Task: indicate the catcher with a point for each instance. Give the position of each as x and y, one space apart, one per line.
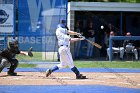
7 57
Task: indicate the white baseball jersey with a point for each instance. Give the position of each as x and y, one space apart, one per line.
64 48
63 38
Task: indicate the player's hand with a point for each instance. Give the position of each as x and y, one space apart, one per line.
82 38
78 34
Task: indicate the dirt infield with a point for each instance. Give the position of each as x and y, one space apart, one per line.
129 80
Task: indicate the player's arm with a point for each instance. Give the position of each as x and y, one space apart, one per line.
74 39
29 53
72 33
77 39
24 53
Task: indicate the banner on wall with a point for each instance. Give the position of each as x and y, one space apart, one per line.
37 22
6 18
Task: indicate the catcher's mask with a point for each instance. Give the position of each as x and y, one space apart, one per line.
13 44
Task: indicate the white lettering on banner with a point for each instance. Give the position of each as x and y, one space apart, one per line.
32 40
20 39
26 40
34 10
50 40
38 40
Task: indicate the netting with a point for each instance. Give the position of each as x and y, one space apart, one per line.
33 24
37 22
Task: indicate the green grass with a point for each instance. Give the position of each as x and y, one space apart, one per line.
81 64
37 57
27 65
92 64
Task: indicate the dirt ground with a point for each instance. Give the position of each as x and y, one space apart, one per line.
128 80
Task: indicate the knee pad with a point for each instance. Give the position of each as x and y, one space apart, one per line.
5 63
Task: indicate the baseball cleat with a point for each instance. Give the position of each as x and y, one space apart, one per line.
12 74
48 72
81 77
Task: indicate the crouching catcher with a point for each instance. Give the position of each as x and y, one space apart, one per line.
7 57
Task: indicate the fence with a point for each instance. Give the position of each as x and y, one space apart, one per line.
32 22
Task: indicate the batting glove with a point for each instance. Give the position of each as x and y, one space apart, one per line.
79 35
82 38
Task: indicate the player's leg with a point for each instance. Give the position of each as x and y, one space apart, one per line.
4 63
69 60
14 64
136 54
121 52
62 62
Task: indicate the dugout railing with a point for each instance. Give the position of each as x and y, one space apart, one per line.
120 38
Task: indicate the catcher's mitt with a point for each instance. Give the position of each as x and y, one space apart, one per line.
30 52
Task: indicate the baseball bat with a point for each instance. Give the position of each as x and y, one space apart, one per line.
94 44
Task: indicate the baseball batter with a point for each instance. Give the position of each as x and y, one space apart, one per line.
64 40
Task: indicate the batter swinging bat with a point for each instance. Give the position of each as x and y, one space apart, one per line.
94 44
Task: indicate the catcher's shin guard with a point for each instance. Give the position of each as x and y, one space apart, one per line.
12 68
4 63
1 68
48 72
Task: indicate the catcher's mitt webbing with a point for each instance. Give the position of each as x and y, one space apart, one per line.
30 52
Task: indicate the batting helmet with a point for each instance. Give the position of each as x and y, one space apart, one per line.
62 24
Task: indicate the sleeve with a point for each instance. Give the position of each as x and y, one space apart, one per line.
62 36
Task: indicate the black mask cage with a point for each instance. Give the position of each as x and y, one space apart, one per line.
13 44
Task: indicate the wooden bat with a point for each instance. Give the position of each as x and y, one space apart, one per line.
94 44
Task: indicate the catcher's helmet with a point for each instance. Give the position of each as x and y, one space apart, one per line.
13 43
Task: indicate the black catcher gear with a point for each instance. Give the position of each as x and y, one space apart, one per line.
30 52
